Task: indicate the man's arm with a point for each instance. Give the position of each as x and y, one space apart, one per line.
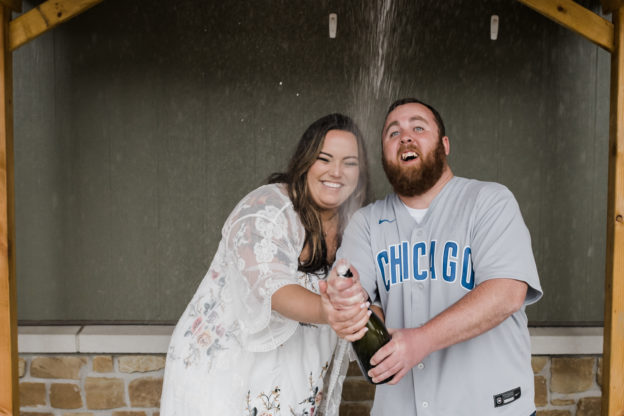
485 307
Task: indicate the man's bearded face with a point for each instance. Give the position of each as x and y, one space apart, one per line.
415 179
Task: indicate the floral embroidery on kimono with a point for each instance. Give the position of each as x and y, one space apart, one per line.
230 353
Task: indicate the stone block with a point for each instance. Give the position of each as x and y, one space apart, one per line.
140 363
57 367
571 375
103 364
541 391
589 406
145 392
32 394
599 372
538 363
562 402
104 393
21 367
129 413
355 409
554 413
65 396
78 414
356 390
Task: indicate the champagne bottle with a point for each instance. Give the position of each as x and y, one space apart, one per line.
376 337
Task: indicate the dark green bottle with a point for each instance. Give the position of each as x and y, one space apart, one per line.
376 337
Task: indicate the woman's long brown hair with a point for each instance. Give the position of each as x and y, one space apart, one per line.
295 178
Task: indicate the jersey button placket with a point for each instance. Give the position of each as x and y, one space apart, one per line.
421 390
417 287
418 291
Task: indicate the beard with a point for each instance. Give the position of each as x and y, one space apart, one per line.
416 180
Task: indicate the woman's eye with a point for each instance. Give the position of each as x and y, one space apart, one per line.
324 159
351 163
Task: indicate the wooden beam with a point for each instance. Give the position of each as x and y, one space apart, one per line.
15 5
576 18
44 17
609 6
613 349
9 391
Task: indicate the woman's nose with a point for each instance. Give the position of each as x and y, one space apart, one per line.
335 169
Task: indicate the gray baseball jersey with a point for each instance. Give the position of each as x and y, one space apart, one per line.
472 232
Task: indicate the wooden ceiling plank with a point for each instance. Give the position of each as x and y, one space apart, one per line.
44 17
576 18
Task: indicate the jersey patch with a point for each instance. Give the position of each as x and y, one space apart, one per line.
507 397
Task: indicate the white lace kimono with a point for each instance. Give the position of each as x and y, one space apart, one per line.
230 354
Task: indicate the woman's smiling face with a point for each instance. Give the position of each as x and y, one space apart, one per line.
333 177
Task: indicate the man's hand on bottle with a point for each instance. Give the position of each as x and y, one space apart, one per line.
407 349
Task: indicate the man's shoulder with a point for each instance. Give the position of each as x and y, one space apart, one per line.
478 188
477 184
378 207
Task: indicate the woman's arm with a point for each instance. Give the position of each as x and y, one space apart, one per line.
299 304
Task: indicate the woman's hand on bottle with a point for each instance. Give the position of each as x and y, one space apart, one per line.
345 292
348 322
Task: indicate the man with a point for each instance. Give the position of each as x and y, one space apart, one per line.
450 262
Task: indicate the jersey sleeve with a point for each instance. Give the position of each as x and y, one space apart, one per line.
357 250
263 242
501 243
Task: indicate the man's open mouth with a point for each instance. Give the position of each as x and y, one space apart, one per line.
407 156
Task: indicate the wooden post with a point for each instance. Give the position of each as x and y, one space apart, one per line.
15 5
613 350
9 395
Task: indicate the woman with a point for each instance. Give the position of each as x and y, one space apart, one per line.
254 340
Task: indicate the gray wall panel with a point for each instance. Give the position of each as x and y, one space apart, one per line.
139 125
40 240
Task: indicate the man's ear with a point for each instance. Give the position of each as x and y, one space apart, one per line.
447 145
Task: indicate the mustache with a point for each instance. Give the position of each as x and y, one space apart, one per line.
409 148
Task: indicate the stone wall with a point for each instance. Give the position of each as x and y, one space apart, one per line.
130 385
90 385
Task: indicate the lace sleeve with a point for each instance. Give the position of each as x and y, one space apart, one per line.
263 241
